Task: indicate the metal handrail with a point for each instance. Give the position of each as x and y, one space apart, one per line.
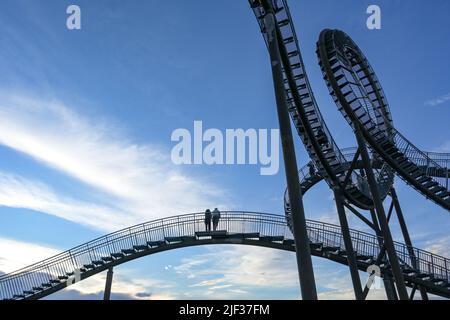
421 159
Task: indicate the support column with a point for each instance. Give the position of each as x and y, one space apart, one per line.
390 288
108 285
384 227
351 256
302 243
407 238
387 280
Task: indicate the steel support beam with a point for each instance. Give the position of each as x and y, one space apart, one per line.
108 284
352 167
388 281
406 237
390 288
351 256
384 226
360 216
388 284
303 251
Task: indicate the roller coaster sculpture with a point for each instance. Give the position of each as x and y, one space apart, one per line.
382 151
361 179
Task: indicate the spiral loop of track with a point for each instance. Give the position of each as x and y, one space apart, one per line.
359 96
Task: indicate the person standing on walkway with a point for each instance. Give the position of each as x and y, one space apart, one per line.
215 218
208 220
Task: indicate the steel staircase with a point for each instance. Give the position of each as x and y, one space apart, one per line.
259 229
321 146
359 96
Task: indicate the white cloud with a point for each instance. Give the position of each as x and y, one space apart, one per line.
16 254
18 192
440 246
437 101
135 179
127 286
241 266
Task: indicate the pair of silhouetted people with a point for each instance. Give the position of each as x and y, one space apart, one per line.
213 216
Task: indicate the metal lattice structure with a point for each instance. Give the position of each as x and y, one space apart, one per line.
361 179
247 228
305 112
310 175
358 95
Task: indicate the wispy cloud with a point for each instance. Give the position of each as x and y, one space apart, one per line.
439 246
17 254
437 101
241 267
18 192
138 179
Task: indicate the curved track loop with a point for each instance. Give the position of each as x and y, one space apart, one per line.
248 228
306 115
359 96
310 176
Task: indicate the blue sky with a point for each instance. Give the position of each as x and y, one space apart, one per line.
86 118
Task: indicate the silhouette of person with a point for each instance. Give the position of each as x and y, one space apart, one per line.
215 218
208 220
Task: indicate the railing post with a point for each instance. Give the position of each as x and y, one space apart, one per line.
446 269
446 178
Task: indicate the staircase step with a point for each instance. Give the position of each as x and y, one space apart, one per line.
423 179
316 245
54 281
63 277
430 184
272 238
38 288
140 248
283 23
89 266
128 251
155 243
107 259
98 262
28 292
117 255
330 248
443 194
437 189
173 239
250 235
363 257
